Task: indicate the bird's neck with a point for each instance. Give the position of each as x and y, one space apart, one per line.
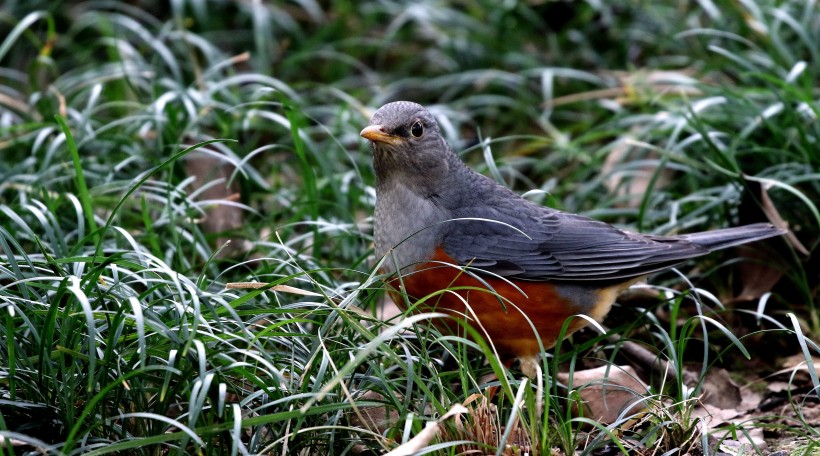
408 225
412 206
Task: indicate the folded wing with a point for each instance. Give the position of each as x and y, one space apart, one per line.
539 243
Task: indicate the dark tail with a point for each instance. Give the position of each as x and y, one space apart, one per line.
730 237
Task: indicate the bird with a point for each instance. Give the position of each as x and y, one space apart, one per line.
457 242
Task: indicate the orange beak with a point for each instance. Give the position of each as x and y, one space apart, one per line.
376 133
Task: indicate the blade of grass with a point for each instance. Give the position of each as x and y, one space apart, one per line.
79 178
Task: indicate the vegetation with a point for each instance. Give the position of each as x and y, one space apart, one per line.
152 152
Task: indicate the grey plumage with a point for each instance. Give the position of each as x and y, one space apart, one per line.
425 192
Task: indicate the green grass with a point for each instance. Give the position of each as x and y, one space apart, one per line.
119 335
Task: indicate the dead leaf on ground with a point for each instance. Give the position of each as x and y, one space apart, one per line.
377 419
740 443
797 360
209 170
608 392
757 274
773 215
722 423
717 388
730 413
757 278
796 369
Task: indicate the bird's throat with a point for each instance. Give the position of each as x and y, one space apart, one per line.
403 214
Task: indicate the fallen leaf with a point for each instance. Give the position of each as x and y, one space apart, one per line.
744 443
774 217
212 175
608 392
717 388
797 361
778 387
796 370
377 419
757 274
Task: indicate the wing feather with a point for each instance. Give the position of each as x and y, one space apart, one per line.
557 245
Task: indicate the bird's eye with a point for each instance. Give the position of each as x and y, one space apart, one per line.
417 129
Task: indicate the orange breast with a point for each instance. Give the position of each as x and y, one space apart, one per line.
510 315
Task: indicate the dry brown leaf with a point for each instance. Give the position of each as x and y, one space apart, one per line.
810 413
778 387
757 278
712 416
723 425
736 414
745 442
377 419
797 360
751 400
717 388
219 218
608 392
774 217
757 275
797 370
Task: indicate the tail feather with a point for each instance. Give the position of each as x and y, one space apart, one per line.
730 237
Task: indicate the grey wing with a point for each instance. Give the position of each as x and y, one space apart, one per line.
538 243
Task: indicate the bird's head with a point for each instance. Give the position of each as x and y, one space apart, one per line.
408 145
